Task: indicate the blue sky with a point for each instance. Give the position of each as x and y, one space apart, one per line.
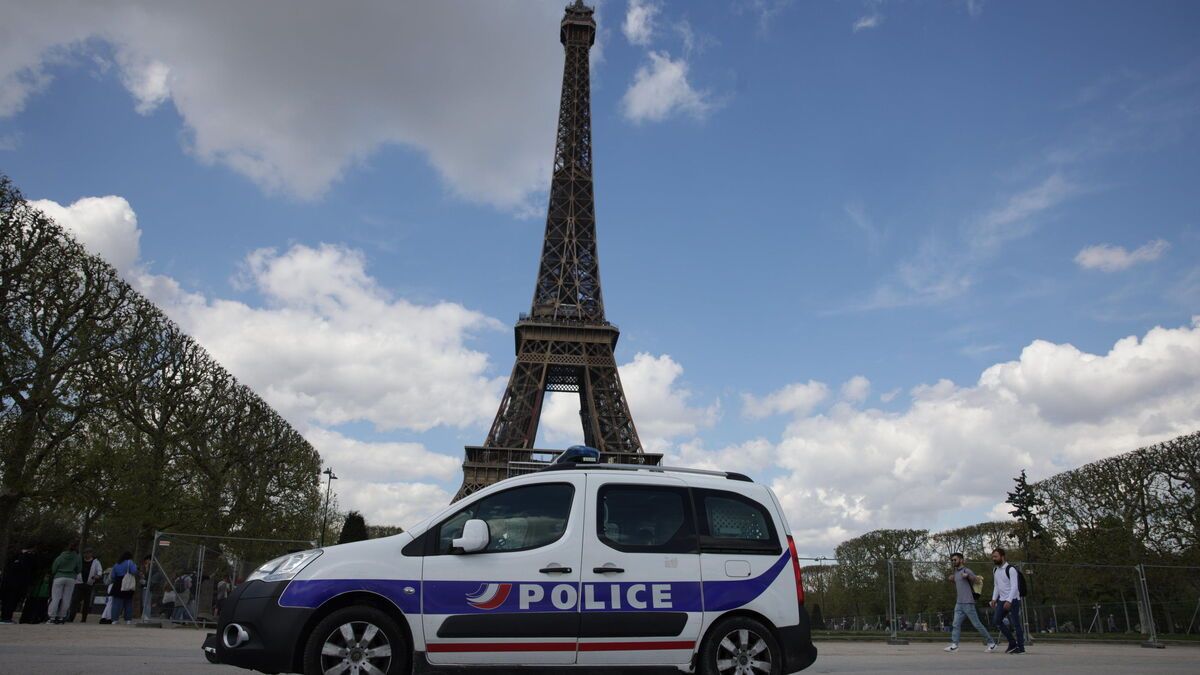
880 253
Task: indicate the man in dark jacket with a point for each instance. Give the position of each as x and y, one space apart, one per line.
18 572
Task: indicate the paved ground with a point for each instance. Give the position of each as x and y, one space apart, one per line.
125 650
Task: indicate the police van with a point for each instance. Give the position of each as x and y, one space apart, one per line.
580 564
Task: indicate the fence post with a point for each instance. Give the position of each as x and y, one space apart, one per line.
895 638
146 594
1148 622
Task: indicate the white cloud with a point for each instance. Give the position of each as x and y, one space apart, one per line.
403 504
799 398
381 461
331 347
106 226
661 89
1110 258
856 389
943 270
845 471
294 93
639 21
868 21
1014 218
661 406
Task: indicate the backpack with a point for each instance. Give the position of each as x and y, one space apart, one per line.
1021 587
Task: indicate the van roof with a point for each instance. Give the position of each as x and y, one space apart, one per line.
585 466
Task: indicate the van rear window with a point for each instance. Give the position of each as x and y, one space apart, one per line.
732 523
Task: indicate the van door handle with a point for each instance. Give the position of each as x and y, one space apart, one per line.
555 569
608 569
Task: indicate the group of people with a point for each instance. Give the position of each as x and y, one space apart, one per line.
1005 602
57 593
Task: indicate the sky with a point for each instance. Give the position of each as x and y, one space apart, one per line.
880 255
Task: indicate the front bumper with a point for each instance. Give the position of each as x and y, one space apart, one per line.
799 652
274 632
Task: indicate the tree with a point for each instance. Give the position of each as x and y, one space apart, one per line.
62 313
1027 509
354 529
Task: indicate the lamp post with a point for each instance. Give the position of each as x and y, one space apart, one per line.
325 515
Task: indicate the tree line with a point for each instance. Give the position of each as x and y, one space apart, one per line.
1084 537
114 423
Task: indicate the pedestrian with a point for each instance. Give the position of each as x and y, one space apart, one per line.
18 573
1112 623
64 570
85 585
967 586
223 588
183 597
1006 600
124 583
106 615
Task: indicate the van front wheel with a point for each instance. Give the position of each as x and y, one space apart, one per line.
354 641
740 646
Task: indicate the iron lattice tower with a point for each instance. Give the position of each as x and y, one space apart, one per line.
565 343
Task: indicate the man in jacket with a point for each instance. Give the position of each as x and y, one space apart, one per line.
1006 600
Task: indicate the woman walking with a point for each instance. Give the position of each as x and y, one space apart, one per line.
124 583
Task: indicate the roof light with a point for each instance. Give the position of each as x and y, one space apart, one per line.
579 454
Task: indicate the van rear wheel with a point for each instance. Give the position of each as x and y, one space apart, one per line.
740 646
356 641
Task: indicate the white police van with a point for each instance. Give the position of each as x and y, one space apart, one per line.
589 565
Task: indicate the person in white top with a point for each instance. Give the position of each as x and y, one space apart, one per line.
1006 600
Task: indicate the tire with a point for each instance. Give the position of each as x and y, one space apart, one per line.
740 646
363 639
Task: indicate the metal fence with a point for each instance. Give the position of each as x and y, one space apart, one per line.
190 573
912 599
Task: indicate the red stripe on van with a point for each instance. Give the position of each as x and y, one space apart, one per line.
555 646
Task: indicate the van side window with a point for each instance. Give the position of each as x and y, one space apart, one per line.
645 518
518 519
732 523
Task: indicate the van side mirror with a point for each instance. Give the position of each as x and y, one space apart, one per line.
474 537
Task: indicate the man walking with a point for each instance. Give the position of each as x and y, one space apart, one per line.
85 585
964 605
64 570
1006 600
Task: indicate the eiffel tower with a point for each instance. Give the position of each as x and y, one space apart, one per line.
564 343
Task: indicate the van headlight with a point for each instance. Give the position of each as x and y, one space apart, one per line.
284 568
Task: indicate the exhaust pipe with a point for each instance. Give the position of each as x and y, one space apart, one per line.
234 636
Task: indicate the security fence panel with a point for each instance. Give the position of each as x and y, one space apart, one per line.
1082 600
190 573
844 598
1173 598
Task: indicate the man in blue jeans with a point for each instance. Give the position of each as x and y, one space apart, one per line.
964 607
1006 600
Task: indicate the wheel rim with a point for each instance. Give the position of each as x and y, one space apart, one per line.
743 652
356 648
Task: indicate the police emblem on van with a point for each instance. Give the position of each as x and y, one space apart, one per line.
489 596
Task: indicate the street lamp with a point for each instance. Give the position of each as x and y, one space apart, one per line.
325 517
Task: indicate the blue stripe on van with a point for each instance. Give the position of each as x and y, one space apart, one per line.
452 597
724 595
